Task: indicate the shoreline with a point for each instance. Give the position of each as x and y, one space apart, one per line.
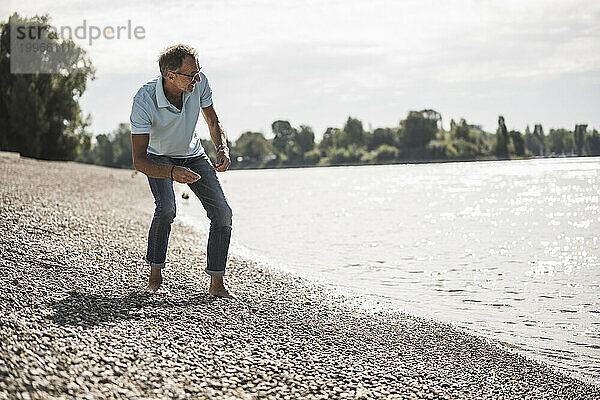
403 162
379 307
72 320
411 162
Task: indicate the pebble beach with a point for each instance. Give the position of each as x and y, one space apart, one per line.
76 324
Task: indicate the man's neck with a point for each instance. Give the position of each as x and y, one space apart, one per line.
171 92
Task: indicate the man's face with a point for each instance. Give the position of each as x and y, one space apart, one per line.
190 67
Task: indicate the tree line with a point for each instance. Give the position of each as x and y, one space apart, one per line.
40 117
418 137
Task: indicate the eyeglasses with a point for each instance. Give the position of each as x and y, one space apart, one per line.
192 77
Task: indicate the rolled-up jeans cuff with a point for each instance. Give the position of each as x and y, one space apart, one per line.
214 273
155 265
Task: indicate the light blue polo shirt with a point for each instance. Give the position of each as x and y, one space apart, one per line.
172 131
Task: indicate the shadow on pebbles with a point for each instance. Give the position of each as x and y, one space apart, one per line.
74 322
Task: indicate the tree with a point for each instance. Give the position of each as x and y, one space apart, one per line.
518 142
122 156
112 149
252 147
303 140
433 115
352 134
355 134
534 142
282 132
102 152
461 131
579 139
560 141
327 140
501 138
538 132
383 136
40 113
592 143
569 142
419 127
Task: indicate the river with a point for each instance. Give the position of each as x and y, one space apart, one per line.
504 249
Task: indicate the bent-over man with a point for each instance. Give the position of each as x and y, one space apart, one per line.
167 148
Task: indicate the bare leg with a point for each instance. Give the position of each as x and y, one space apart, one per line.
217 288
155 280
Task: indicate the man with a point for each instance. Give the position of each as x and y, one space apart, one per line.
167 148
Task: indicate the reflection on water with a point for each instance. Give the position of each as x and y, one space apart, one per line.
508 249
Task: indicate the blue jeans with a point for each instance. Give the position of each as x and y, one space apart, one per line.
209 191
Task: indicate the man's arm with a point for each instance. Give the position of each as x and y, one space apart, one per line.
217 134
139 144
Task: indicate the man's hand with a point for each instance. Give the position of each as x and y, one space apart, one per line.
223 161
184 175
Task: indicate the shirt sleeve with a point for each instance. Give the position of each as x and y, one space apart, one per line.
206 95
140 119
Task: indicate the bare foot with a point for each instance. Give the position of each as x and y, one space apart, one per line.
154 282
217 288
221 293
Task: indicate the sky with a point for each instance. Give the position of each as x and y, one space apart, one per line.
317 63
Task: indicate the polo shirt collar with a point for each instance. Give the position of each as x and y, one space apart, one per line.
161 99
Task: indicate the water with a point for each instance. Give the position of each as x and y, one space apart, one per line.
505 249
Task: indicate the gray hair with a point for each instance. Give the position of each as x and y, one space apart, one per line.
172 57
